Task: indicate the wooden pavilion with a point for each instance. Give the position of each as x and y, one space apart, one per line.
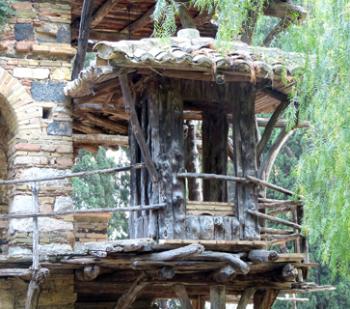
201 226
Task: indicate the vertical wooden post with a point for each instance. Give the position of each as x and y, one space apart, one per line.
172 218
215 139
83 38
245 159
217 297
192 162
38 275
264 299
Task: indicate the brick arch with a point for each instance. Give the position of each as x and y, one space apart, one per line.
13 100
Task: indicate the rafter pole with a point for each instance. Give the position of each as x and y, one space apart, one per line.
103 11
136 127
82 38
139 23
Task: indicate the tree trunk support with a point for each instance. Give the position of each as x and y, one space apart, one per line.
182 295
264 299
217 297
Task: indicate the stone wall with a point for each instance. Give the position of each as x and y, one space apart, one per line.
35 64
36 55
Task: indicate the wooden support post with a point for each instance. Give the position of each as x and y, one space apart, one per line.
217 297
245 163
198 302
264 299
192 161
83 38
214 143
136 127
38 275
182 295
126 300
170 106
246 297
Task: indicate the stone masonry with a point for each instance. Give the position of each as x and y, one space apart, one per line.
36 138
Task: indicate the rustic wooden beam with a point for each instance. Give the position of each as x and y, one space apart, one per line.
173 254
270 158
246 298
224 274
270 126
130 106
264 299
23 273
88 273
107 124
262 256
139 23
81 211
126 300
83 38
271 186
182 295
211 176
100 139
217 297
102 12
274 219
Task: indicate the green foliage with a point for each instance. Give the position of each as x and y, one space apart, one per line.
101 190
5 11
228 14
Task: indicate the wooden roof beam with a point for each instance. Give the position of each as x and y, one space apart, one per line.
101 139
102 12
139 23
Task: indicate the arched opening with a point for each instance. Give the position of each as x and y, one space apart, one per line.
6 134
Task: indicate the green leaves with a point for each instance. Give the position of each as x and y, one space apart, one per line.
5 11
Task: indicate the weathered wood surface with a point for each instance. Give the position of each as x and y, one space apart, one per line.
128 298
224 274
261 256
182 295
83 38
245 163
192 161
218 297
137 130
102 12
214 154
246 298
264 299
34 288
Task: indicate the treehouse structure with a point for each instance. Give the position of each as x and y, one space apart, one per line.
202 224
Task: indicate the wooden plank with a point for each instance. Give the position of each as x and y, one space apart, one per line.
217 297
83 38
103 11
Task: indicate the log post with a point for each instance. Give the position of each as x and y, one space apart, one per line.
171 218
246 297
245 158
83 38
214 143
264 299
182 295
192 161
217 297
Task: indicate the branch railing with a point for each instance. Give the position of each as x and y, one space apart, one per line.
271 209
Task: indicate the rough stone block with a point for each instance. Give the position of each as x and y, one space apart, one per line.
60 128
63 203
61 74
49 91
63 34
31 73
24 32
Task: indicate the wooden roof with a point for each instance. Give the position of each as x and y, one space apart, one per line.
115 20
97 95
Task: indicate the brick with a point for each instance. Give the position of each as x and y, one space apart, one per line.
64 149
24 46
28 147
